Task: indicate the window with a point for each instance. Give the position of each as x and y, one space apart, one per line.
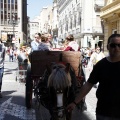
15 6
8 6
5 16
1 5
1 16
15 1
79 19
12 1
74 20
5 12
9 1
5 6
12 6
8 15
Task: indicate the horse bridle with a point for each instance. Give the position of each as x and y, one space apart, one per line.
61 109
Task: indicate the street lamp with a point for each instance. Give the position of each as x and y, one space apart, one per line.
13 21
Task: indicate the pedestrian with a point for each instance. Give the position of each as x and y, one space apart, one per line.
35 42
87 54
2 58
106 72
11 54
96 56
44 45
72 45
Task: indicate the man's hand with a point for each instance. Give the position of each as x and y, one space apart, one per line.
70 107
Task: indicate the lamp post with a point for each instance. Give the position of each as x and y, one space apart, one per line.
13 21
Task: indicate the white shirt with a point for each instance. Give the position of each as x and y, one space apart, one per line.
74 45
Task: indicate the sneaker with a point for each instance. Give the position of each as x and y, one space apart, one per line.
0 95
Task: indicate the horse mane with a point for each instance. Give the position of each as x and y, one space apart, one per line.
59 77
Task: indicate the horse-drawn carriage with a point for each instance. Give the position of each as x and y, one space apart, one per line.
55 78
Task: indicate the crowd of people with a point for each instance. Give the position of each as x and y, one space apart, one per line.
43 42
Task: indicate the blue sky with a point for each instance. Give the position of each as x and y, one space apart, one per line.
35 6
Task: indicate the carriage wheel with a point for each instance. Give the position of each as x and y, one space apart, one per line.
28 99
28 93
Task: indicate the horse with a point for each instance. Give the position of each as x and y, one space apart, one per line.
57 90
59 83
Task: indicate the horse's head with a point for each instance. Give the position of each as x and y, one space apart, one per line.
60 81
60 77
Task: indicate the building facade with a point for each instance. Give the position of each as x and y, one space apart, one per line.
13 20
82 19
110 15
45 19
55 19
34 28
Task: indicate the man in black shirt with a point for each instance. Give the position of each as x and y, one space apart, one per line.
107 73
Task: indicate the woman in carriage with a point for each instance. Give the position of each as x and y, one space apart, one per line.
71 44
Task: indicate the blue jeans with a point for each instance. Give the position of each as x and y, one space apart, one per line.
100 117
10 58
1 76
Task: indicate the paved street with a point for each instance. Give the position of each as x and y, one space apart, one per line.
12 105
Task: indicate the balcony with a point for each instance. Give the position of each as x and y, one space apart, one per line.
98 5
111 9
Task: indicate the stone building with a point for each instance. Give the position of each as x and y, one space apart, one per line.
82 19
110 15
13 21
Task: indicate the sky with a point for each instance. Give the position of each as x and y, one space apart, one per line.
35 6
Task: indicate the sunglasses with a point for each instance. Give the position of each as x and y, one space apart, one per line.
114 45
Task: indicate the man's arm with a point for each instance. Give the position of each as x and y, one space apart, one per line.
83 92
